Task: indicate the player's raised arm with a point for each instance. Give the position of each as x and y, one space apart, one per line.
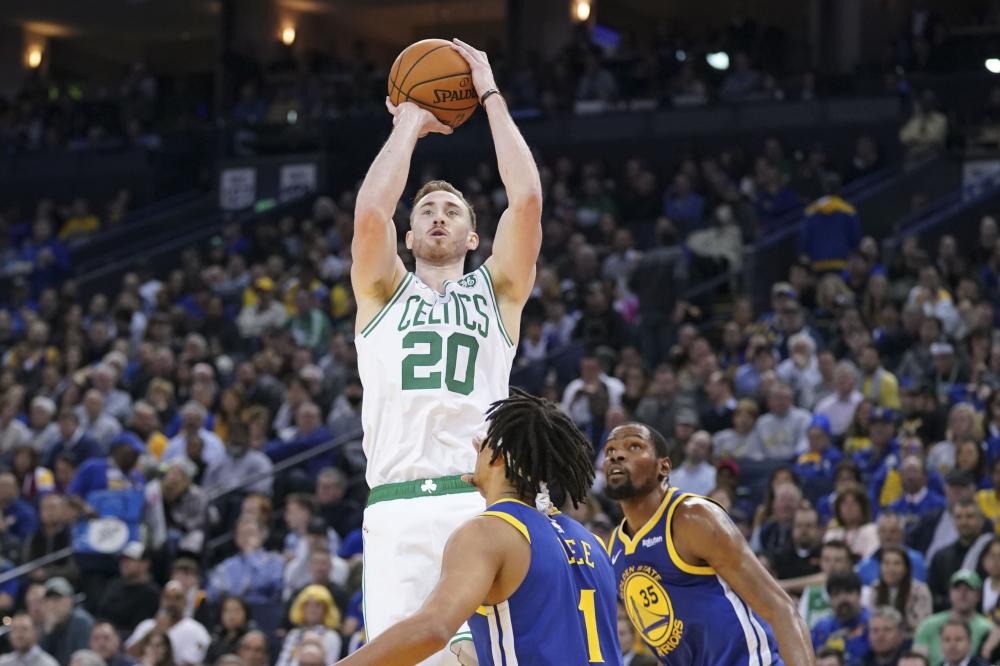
519 234
711 537
473 562
376 268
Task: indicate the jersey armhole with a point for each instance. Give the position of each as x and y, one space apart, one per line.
385 308
512 521
496 306
695 570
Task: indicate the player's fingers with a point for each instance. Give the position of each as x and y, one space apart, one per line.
467 478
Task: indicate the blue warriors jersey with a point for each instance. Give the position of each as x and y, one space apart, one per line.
593 571
686 614
551 619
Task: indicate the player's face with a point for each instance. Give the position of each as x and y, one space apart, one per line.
631 466
441 229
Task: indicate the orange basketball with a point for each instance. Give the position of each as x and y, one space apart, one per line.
433 75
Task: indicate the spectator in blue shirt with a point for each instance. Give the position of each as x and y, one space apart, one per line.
254 574
309 432
917 499
73 441
890 533
822 458
19 515
847 628
116 472
830 230
683 205
775 198
47 254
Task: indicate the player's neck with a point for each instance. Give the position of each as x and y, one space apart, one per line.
506 493
639 509
435 275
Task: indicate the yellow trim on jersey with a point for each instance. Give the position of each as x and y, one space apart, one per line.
511 499
631 543
385 308
510 520
674 555
482 611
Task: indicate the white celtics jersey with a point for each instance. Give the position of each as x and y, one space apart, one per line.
431 365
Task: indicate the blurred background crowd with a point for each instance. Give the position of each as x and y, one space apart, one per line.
809 318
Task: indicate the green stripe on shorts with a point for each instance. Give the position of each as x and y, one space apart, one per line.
443 485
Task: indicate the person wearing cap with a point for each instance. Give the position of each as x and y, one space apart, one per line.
115 472
847 628
877 384
879 461
973 535
25 650
918 499
132 596
964 590
72 440
948 373
66 628
781 432
839 406
818 463
312 612
264 314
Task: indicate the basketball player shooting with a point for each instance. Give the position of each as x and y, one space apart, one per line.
435 349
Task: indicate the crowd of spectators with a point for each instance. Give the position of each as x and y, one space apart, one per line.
863 400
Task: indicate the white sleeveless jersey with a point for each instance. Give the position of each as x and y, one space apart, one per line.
431 365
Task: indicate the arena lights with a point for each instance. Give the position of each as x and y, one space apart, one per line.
34 57
718 60
581 10
993 65
288 36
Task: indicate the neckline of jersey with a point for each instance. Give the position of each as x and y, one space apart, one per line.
631 542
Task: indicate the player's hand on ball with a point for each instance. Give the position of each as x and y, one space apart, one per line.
482 73
427 122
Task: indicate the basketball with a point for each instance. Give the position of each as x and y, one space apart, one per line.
432 75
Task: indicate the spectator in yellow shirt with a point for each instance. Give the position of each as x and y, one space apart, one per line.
989 498
81 223
878 384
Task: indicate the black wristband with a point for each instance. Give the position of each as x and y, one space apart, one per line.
486 95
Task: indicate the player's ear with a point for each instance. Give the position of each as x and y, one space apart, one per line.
664 468
409 240
473 242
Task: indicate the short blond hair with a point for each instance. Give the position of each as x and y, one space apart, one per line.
444 186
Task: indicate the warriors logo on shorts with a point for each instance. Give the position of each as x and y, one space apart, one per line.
650 610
